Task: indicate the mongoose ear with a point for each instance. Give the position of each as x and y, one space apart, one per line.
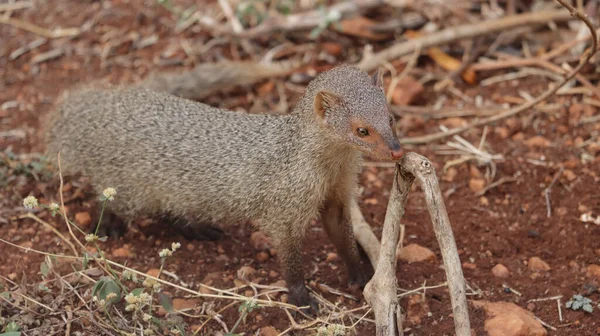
378 78
324 102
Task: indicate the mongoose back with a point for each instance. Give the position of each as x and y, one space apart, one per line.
170 156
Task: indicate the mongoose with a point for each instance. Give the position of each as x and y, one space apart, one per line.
204 165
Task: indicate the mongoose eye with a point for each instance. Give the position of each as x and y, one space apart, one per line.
362 131
392 120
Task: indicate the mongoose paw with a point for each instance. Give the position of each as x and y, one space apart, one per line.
200 232
299 296
360 278
111 226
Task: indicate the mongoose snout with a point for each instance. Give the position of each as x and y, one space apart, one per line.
282 171
396 150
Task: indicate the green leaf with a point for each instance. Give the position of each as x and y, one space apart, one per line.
97 286
181 329
44 269
137 291
5 295
165 302
12 326
588 308
110 287
157 321
43 287
11 333
86 260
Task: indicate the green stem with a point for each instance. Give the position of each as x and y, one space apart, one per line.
100 219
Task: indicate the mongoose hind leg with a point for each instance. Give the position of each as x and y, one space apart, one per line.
193 230
338 225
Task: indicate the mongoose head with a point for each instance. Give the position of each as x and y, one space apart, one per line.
352 106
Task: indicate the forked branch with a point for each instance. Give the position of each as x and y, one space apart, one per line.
380 292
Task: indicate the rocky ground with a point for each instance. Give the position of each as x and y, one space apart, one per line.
524 213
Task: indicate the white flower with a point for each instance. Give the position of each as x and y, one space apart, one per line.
149 283
129 275
146 317
131 299
165 253
130 307
30 202
336 330
53 207
109 193
149 332
175 246
145 298
111 296
91 237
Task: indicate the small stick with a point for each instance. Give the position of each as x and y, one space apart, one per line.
557 297
498 182
43 57
549 189
30 27
544 323
9 7
512 290
559 304
235 23
51 228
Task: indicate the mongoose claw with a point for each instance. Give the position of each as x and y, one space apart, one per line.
299 296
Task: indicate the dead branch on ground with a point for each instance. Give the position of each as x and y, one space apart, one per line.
380 292
208 78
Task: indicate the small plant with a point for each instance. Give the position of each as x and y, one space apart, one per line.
578 302
245 308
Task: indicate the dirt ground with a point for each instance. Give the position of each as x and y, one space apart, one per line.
508 225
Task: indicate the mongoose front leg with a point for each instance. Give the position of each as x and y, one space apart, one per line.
111 225
337 222
289 250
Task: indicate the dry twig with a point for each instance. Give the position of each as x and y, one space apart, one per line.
380 292
30 27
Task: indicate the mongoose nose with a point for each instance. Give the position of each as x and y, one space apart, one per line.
396 154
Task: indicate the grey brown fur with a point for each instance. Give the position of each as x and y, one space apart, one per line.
169 155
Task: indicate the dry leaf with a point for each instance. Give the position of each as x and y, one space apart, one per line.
360 27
